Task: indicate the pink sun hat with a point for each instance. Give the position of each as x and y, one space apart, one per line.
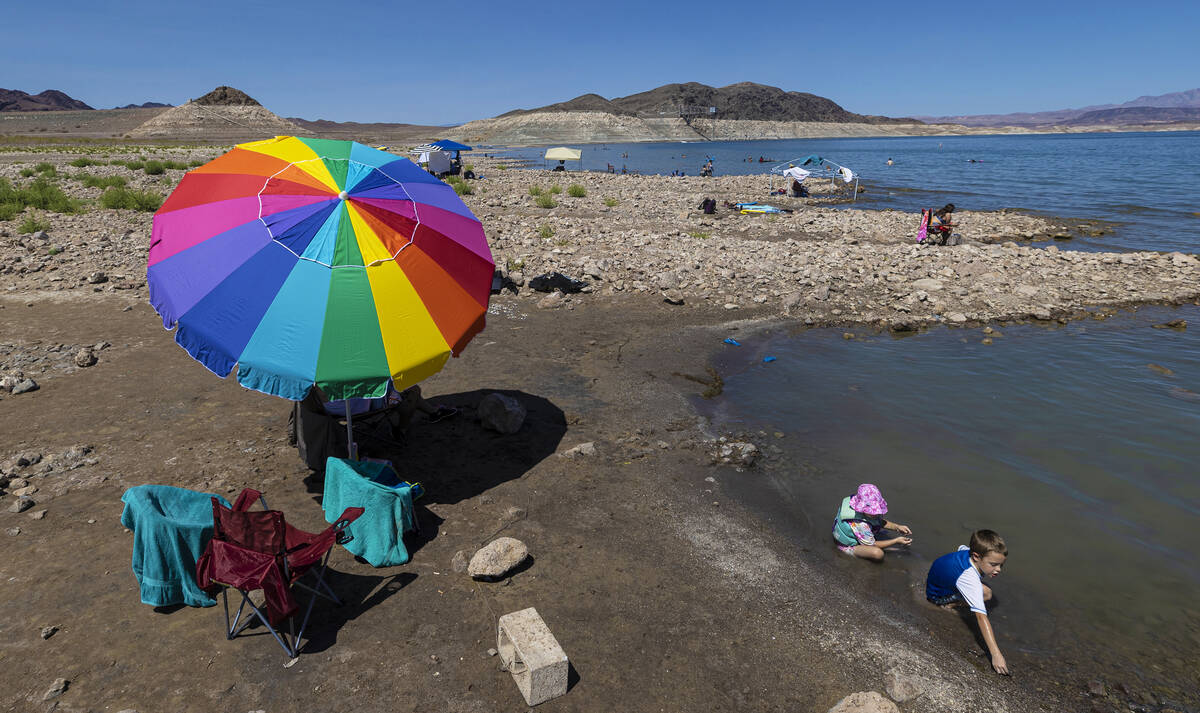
868 500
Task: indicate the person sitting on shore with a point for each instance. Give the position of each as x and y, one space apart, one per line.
956 578
860 529
941 223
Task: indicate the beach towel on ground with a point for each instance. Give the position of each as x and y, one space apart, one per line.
379 533
171 527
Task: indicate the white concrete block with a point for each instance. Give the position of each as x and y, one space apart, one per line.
532 655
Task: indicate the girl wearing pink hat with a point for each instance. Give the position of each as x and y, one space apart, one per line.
860 521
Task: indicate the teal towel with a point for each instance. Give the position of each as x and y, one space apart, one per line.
379 533
171 527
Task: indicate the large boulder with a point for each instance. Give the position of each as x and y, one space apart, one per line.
501 413
498 558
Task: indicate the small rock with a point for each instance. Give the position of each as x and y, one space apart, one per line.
550 301
27 490
583 449
97 278
501 413
458 563
498 558
1096 688
24 386
928 284
730 305
56 689
1173 324
21 504
48 631
956 317
902 686
85 357
492 652
13 531
865 702
673 297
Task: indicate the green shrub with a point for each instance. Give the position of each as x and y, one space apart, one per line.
469 167
546 202
556 189
53 251
463 189
46 169
84 162
195 162
32 225
700 235
576 191
122 198
535 190
102 181
175 165
501 167
134 165
27 172
611 202
154 168
546 232
39 194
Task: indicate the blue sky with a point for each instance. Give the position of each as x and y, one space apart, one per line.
440 62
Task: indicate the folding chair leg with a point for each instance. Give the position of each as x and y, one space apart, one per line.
233 629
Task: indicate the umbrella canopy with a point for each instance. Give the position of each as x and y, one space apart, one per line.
448 145
309 261
563 153
425 148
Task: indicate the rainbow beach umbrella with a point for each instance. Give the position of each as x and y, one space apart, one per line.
308 261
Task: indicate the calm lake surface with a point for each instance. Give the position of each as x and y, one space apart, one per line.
1148 183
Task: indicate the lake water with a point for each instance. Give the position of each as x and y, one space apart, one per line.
1079 444
1148 183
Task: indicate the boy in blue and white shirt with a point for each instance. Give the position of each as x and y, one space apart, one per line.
957 578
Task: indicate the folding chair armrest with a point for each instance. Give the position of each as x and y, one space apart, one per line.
339 526
246 500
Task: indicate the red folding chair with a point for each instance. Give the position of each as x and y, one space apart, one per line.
253 550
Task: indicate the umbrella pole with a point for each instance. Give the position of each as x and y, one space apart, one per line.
351 450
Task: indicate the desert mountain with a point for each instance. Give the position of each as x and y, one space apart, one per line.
144 105
744 100
49 100
1189 99
223 113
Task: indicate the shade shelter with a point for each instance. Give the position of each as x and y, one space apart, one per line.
563 154
309 262
814 166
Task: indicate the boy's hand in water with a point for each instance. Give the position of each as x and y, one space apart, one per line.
1000 665
904 540
904 529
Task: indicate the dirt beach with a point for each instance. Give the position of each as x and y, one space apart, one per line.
665 594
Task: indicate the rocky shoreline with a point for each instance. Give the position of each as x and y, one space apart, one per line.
637 548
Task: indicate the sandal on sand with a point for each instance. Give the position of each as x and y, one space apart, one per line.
443 413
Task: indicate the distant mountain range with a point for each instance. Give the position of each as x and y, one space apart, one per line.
49 100
745 100
1164 108
144 105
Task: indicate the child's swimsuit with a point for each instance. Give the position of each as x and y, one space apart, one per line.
862 532
952 578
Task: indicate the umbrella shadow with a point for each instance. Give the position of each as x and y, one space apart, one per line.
457 458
